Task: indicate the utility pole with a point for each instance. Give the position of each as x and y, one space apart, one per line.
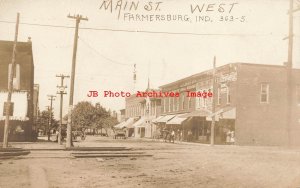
62 93
51 98
134 78
78 18
212 128
48 122
10 85
290 67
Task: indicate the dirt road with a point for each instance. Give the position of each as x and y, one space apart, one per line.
172 165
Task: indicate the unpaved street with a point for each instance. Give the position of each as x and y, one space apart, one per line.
172 165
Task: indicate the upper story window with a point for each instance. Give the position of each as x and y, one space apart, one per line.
177 103
182 101
264 93
174 104
219 97
169 104
228 96
16 76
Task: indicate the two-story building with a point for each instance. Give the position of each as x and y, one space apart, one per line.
21 120
250 99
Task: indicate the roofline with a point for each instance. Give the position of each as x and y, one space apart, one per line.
210 71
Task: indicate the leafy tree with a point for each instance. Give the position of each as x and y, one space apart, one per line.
43 121
83 115
86 115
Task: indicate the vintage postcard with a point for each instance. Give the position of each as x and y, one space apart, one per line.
149 93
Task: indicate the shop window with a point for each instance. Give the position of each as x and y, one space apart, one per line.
264 93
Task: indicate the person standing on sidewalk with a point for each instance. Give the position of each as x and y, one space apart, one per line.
173 136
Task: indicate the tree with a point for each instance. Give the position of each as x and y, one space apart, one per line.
86 115
83 115
109 123
43 121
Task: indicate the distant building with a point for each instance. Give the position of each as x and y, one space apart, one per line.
150 108
23 95
122 115
139 113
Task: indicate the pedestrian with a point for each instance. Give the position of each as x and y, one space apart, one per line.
173 136
166 133
207 135
232 137
56 135
189 136
228 135
181 135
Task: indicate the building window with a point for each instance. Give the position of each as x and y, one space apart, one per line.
264 93
190 103
174 104
182 101
16 76
228 95
177 104
219 96
169 104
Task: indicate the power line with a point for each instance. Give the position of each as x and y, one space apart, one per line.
141 31
108 59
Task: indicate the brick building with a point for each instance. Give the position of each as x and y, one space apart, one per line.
250 99
23 85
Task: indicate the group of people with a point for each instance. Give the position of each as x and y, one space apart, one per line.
172 135
230 137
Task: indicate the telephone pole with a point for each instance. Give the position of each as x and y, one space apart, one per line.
212 128
290 66
78 18
62 93
51 98
10 86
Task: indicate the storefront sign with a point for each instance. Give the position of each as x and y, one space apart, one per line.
231 77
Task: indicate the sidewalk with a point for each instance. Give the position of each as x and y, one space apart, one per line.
176 142
38 145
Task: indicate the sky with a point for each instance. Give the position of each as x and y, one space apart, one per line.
164 51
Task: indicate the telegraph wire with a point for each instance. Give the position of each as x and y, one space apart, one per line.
97 52
139 31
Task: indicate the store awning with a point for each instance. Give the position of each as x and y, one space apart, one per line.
229 114
156 119
177 120
128 123
139 123
197 113
124 124
166 118
120 125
